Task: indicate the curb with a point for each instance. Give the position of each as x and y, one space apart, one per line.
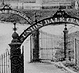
60 65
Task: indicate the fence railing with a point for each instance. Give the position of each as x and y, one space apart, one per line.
5 61
5 64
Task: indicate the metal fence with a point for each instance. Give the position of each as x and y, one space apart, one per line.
76 51
5 66
50 47
5 61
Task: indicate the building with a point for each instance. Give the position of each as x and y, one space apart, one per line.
43 4
55 4
25 4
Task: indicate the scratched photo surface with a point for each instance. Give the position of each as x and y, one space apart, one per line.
50 36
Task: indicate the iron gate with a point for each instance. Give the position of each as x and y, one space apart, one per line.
50 46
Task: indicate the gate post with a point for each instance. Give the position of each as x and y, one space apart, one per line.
65 41
35 46
15 53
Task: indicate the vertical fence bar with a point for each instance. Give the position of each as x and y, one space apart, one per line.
41 55
9 63
2 63
23 58
75 52
31 47
6 61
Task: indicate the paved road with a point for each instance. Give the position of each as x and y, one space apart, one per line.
42 68
38 67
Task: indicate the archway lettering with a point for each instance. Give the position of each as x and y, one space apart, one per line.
56 19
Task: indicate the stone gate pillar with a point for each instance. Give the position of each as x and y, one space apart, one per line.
15 53
35 46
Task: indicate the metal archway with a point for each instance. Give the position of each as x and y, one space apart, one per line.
58 18
8 9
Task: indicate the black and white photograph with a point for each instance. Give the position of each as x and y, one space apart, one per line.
39 36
